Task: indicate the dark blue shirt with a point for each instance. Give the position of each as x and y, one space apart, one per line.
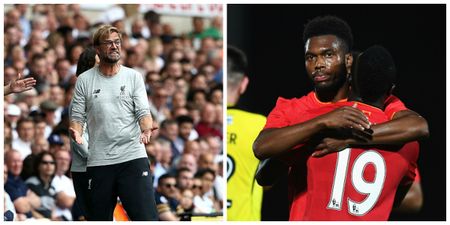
15 187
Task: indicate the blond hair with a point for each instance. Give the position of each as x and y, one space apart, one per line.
103 32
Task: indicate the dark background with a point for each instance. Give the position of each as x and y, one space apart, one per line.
271 35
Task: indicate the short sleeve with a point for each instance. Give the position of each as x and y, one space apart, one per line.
289 112
277 117
392 106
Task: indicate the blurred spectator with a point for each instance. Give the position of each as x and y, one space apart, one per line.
216 96
13 114
63 70
40 128
164 160
56 97
49 108
31 98
38 70
153 149
158 104
166 198
198 82
209 71
25 201
9 205
184 178
178 99
56 143
187 201
193 147
153 81
155 49
207 126
196 186
169 132
25 130
186 131
197 33
215 30
137 28
7 132
152 19
205 203
198 96
215 145
38 145
182 111
63 186
188 161
25 24
207 161
41 184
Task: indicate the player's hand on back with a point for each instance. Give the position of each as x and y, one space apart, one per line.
345 117
330 145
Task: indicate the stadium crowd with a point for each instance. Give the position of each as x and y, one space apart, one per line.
183 78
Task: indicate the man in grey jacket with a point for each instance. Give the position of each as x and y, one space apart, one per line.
111 98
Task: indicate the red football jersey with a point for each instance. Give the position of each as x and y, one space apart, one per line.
355 184
294 111
289 112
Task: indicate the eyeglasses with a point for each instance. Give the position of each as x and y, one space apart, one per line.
109 43
48 162
196 186
169 185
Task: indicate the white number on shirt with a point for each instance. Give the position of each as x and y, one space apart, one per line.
371 189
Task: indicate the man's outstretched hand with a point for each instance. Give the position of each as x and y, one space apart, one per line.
20 85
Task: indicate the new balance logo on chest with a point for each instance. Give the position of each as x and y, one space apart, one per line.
96 92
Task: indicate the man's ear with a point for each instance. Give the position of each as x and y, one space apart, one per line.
243 85
348 62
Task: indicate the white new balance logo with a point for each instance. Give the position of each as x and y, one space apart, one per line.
89 184
145 173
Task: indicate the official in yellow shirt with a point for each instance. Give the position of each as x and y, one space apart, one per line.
244 195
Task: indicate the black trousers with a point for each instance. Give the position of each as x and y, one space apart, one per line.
80 184
130 181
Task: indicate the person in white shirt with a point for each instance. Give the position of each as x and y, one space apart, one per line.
63 185
25 130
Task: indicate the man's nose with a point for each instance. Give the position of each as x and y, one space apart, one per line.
320 62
